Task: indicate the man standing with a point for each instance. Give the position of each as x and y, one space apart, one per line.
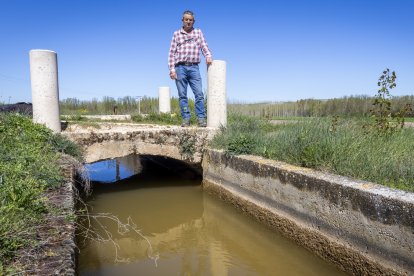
183 61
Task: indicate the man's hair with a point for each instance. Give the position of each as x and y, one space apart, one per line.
188 12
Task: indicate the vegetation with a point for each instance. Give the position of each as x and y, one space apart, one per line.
385 119
376 149
340 146
148 108
163 119
354 106
28 167
108 105
187 146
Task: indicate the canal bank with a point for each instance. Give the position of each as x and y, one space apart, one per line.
54 251
363 228
190 231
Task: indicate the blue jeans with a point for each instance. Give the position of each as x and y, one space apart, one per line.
189 75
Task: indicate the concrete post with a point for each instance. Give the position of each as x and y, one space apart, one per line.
164 100
45 90
216 94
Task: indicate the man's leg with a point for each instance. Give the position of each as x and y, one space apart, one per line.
181 82
194 80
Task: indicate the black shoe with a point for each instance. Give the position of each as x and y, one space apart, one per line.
186 123
202 122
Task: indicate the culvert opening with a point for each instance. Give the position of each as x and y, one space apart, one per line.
159 169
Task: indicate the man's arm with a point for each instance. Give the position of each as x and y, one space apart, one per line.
205 50
171 59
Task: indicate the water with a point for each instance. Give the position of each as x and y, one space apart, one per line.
192 232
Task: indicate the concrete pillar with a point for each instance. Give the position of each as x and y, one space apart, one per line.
164 100
216 94
45 90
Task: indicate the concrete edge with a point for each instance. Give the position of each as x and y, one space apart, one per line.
307 179
344 257
331 248
69 244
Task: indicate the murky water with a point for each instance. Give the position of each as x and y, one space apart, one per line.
190 232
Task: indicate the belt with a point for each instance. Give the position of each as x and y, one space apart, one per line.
186 63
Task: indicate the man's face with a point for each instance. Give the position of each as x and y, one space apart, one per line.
188 21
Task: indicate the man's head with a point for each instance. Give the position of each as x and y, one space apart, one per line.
188 20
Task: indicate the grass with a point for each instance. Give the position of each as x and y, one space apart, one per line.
155 118
292 118
151 118
125 105
162 119
28 167
344 147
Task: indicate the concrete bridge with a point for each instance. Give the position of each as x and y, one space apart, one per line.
102 141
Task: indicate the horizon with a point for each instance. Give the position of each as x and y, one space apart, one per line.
229 101
275 51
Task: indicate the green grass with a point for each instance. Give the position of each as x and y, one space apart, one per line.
28 167
151 118
74 117
291 118
345 148
155 118
125 105
162 119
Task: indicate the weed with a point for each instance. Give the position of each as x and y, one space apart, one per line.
76 117
187 146
241 144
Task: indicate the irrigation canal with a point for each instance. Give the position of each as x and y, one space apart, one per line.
190 232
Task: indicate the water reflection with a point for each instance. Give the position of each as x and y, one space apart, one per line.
114 169
193 233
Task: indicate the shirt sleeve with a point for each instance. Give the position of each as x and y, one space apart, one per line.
204 46
171 59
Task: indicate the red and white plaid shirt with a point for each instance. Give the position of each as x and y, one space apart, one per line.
185 47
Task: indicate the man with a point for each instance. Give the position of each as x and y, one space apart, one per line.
183 61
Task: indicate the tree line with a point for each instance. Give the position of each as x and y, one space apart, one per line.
353 106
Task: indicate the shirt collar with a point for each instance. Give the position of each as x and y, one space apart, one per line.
184 32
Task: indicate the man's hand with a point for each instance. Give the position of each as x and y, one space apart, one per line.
173 75
209 61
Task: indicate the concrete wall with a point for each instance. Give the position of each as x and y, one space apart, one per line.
364 228
108 141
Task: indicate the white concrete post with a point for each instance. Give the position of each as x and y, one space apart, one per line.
216 94
164 100
45 90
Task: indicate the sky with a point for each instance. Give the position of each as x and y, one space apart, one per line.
274 50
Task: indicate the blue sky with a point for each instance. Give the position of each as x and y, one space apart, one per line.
275 50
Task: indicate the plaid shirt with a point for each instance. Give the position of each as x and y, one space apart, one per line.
185 47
